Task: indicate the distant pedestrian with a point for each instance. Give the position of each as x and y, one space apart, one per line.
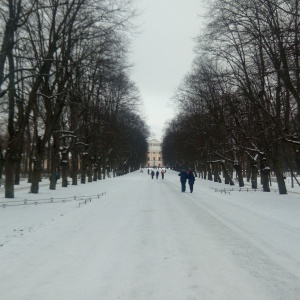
191 180
148 171
152 174
162 174
157 174
183 177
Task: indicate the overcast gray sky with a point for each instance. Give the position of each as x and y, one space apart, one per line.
163 52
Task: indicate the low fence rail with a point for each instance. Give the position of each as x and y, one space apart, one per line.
237 189
80 199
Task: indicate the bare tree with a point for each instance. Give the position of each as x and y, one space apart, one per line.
53 44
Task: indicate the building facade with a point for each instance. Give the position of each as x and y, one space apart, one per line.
154 156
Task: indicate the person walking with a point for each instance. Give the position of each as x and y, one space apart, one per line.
162 174
191 180
183 177
157 173
152 174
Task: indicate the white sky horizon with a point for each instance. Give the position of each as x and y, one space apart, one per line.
162 54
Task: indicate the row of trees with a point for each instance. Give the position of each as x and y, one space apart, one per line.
65 93
239 104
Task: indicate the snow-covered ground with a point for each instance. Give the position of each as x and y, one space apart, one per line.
145 239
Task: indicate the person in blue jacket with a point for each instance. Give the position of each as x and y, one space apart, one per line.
183 178
191 180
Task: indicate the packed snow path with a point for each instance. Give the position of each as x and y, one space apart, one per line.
145 239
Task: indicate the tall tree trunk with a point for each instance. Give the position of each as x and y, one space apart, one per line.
248 170
36 176
64 167
64 173
17 172
278 168
18 164
53 174
37 166
90 170
209 173
104 168
54 162
217 177
10 162
74 166
12 150
83 168
254 172
228 179
279 176
239 173
95 170
216 173
30 163
265 175
2 161
99 170
204 171
280 180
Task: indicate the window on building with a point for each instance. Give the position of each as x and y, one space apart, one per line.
159 158
153 158
148 157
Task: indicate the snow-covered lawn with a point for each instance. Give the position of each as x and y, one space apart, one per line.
145 239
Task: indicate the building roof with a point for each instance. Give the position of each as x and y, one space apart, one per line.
154 141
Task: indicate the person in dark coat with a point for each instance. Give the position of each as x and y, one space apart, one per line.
152 174
157 174
191 180
183 177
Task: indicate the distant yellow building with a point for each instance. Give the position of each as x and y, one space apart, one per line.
154 154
